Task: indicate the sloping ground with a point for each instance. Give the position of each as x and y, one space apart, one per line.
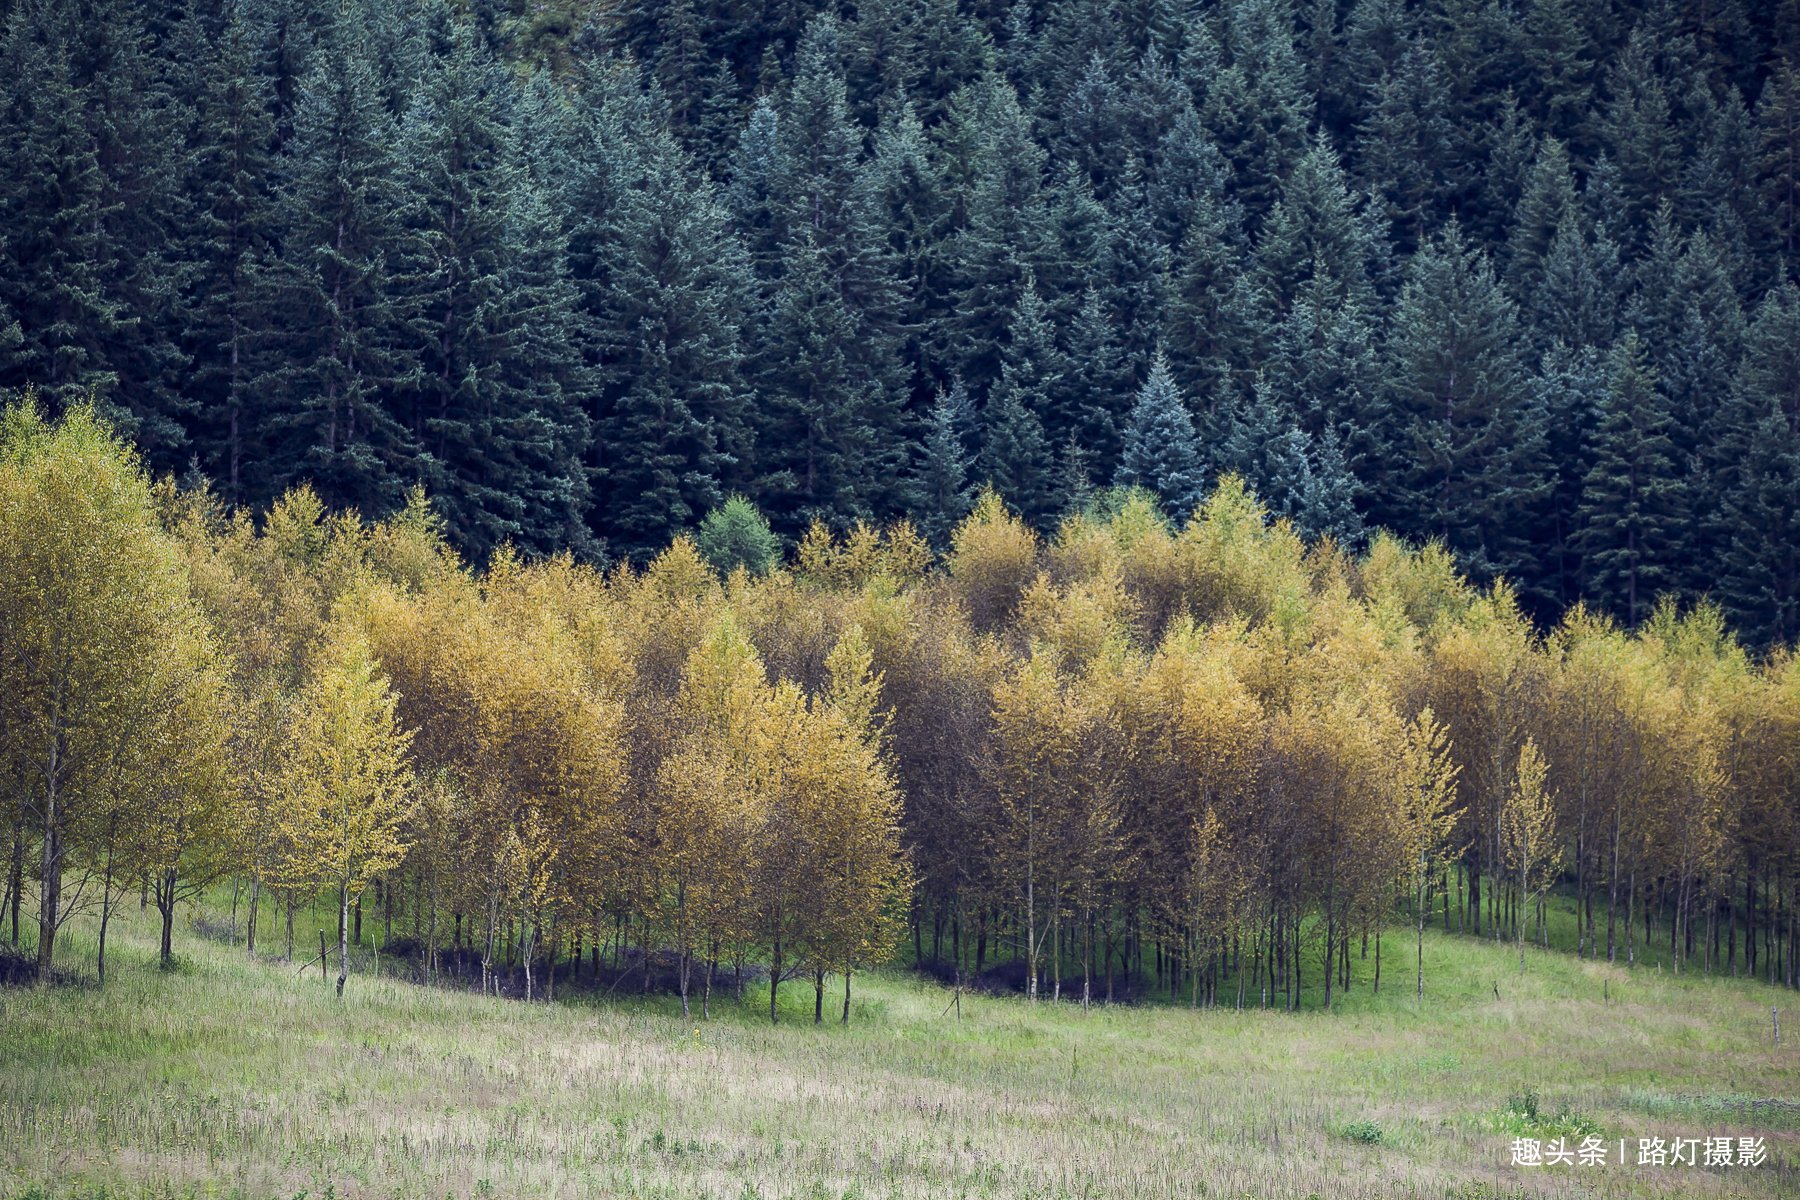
230 1079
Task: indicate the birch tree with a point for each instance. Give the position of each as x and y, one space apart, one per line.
1528 833
1426 781
346 777
101 653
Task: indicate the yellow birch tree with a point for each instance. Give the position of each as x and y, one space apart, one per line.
346 777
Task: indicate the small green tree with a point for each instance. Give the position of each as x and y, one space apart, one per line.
736 534
1161 450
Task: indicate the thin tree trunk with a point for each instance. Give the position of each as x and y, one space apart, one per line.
343 935
14 878
165 904
712 964
774 981
250 926
105 913
50 876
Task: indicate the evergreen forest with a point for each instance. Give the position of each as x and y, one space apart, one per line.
1516 278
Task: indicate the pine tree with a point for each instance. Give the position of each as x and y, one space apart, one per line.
1471 473
544 374
826 354
1603 198
1315 234
1638 133
1577 298
1032 367
1004 230
1510 144
1545 207
1571 386
58 254
1778 121
1133 271
1687 314
1073 33
491 314
1407 148
1156 99
1376 35
914 209
666 299
1077 228
1558 53
1212 323
227 245
1263 444
1257 107
715 131
1322 46
735 534
1189 178
1015 459
337 343
1160 450
1633 506
679 63
825 426
1092 128
941 494
1324 369
754 196
1093 392
134 125
1328 506
1296 475
1759 513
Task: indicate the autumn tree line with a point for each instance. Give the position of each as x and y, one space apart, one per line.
533 757
1201 759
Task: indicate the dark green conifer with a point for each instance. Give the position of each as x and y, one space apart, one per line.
1257 107
941 492
1015 459
1160 450
226 245
1469 472
666 300
338 347
1759 513
1633 506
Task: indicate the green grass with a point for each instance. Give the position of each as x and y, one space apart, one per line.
224 1078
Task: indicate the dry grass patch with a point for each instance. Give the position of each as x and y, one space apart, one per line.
232 1079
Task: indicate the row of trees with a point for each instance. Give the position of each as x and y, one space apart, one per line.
1207 749
1224 744
1518 277
321 705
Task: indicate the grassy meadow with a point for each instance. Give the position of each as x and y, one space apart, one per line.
231 1079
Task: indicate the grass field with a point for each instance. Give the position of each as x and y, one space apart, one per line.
223 1078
